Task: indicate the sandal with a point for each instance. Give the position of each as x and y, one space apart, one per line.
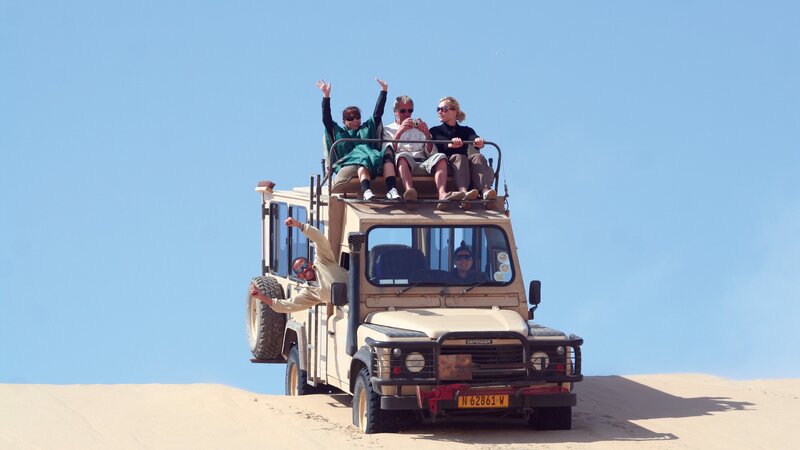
453 197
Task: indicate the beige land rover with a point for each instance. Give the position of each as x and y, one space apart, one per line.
406 336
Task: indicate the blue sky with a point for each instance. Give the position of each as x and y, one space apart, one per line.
651 149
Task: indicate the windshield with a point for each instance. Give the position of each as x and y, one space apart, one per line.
442 256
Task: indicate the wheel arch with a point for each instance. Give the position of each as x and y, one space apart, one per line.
295 333
362 358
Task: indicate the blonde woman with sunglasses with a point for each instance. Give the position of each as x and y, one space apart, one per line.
472 173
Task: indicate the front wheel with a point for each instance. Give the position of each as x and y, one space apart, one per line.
367 413
296 378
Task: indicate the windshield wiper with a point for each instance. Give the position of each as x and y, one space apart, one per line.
474 286
410 286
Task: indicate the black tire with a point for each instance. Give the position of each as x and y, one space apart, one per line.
296 381
265 327
559 418
367 413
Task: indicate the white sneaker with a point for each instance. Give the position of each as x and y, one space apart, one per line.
392 194
368 194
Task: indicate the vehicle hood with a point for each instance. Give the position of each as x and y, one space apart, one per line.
436 322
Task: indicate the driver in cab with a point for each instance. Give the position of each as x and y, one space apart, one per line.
463 270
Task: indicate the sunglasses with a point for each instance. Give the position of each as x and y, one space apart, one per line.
348 119
463 257
444 108
403 111
301 268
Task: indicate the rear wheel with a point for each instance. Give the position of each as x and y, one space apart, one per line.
367 413
296 378
265 326
559 418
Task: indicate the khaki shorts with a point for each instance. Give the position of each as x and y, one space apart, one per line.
421 167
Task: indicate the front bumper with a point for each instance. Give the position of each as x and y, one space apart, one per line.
446 398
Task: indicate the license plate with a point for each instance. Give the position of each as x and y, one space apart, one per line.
483 401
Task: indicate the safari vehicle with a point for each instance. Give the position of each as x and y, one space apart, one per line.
405 336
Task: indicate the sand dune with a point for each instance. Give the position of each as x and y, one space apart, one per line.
656 411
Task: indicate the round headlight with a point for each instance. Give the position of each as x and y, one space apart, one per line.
560 350
540 360
415 362
397 352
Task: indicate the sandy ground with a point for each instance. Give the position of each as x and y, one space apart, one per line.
654 411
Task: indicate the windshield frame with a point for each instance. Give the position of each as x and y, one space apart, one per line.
489 283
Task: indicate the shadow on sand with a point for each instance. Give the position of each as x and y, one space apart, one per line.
607 407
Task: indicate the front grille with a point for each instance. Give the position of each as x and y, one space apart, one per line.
491 361
461 357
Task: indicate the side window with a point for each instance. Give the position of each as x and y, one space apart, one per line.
299 240
279 239
286 243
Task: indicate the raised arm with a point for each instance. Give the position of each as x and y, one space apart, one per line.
327 119
324 252
377 115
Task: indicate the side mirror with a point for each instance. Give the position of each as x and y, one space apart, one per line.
535 292
339 294
534 297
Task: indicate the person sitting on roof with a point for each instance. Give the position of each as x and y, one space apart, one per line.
370 162
463 270
465 167
325 271
409 156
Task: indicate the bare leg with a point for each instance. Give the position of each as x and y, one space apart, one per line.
405 173
388 169
363 173
440 177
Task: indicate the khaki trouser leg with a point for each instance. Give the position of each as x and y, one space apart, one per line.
482 175
459 167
